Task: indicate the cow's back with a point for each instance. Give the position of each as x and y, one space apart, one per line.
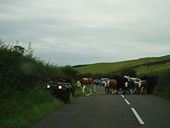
86 81
112 83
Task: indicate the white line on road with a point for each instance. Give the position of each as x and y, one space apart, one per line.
122 96
127 101
137 116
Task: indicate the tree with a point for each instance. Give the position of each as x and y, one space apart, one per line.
69 72
19 49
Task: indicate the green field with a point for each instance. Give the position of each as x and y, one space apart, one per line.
154 69
104 68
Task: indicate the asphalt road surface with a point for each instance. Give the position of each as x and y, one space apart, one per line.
110 111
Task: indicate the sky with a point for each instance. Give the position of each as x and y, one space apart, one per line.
75 32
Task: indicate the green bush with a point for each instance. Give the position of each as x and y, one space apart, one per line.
163 86
23 97
164 78
21 71
163 91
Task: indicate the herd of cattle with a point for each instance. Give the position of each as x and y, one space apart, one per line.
62 88
120 85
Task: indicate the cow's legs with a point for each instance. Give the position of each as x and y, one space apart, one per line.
83 88
91 89
114 91
142 90
131 91
94 88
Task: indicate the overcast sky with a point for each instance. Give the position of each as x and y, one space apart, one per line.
72 32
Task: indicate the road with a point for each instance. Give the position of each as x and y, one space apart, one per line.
110 111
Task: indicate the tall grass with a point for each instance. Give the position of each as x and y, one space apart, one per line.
22 109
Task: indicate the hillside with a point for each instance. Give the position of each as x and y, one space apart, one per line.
143 64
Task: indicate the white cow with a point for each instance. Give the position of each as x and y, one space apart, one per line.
137 82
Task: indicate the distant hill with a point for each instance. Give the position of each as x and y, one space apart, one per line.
142 66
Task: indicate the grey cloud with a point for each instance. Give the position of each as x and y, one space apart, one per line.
93 31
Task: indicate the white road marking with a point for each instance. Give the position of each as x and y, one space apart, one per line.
134 111
137 116
122 96
127 101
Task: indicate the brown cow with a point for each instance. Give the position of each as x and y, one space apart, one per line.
111 86
140 87
144 84
87 82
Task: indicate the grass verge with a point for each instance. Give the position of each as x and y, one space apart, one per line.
162 91
22 110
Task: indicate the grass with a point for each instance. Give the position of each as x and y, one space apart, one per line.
78 91
154 69
22 110
162 91
27 117
103 68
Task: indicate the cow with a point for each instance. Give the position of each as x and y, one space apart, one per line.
144 86
151 82
137 85
111 86
134 84
78 84
122 85
87 82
